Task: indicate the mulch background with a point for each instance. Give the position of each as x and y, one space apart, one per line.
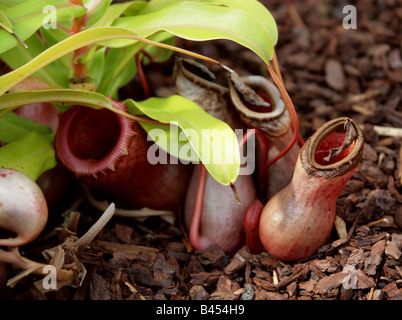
329 72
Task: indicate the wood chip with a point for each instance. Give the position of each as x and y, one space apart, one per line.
363 281
340 227
131 251
328 283
400 165
268 295
378 294
99 288
198 292
236 263
211 256
372 262
226 289
395 295
264 284
205 278
334 75
392 250
356 258
163 271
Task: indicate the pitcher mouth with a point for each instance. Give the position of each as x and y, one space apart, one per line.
91 141
275 121
342 135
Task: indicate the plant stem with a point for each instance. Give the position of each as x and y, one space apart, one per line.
276 67
290 107
196 219
279 74
80 70
86 239
141 74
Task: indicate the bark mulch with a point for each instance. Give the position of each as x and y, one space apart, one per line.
329 72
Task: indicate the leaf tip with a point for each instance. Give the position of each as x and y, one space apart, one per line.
226 68
236 194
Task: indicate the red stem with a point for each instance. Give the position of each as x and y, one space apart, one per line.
287 99
293 116
80 70
196 219
141 74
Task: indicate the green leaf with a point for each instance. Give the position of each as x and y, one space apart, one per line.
66 46
253 7
54 36
14 127
10 3
96 10
120 65
256 9
172 139
50 38
5 23
33 154
200 21
28 17
213 140
96 67
62 96
54 73
116 10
